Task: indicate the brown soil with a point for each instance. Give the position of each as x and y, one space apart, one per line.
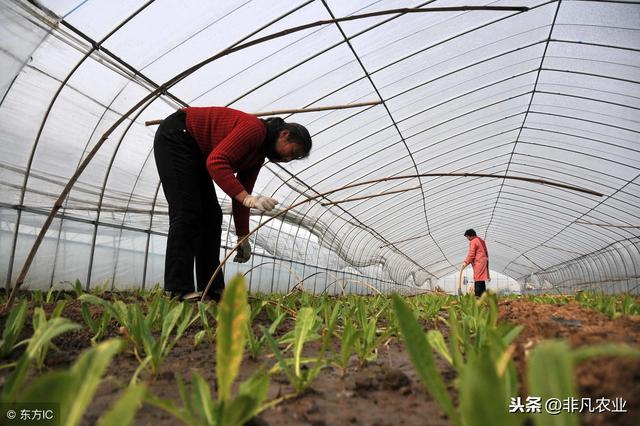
383 392
598 378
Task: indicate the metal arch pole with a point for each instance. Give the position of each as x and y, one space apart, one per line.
148 243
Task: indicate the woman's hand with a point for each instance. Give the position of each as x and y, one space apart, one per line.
259 202
244 251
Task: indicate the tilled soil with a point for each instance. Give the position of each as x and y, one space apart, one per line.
597 378
386 391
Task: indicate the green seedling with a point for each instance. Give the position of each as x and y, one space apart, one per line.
122 413
199 406
204 312
74 388
629 306
330 321
255 344
43 327
348 340
422 358
77 288
304 331
44 331
274 310
127 316
370 339
480 351
610 305
12 328
159 307
97 326
139 329
38 298
156 350
479 355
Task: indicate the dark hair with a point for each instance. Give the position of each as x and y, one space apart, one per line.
470 233
299 134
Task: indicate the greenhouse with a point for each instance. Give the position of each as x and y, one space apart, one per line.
420 212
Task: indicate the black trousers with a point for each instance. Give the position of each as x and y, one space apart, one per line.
195 217
479 287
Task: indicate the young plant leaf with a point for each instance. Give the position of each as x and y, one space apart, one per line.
482 394
422 357
247 404
550 375
73 389
230 339
436 340
202 400
12 328
125 408
304 324
282 362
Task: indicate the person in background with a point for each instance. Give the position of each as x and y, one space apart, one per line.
478 257
194 145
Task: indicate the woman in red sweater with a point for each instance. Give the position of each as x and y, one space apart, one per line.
195 145
478 256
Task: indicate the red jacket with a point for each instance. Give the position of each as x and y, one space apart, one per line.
478 256
232 141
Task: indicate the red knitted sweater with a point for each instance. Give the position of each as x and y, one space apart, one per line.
232 141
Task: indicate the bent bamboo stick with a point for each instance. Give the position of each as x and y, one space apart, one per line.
356 184
364 197
295 111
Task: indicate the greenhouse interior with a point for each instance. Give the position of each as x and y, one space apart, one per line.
453 238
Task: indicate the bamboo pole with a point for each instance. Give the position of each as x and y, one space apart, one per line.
295 111
390 178
364 197
460 280
405 240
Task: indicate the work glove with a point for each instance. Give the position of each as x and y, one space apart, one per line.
259 202
243 254
459 291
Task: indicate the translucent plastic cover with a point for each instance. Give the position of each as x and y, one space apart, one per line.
470 97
